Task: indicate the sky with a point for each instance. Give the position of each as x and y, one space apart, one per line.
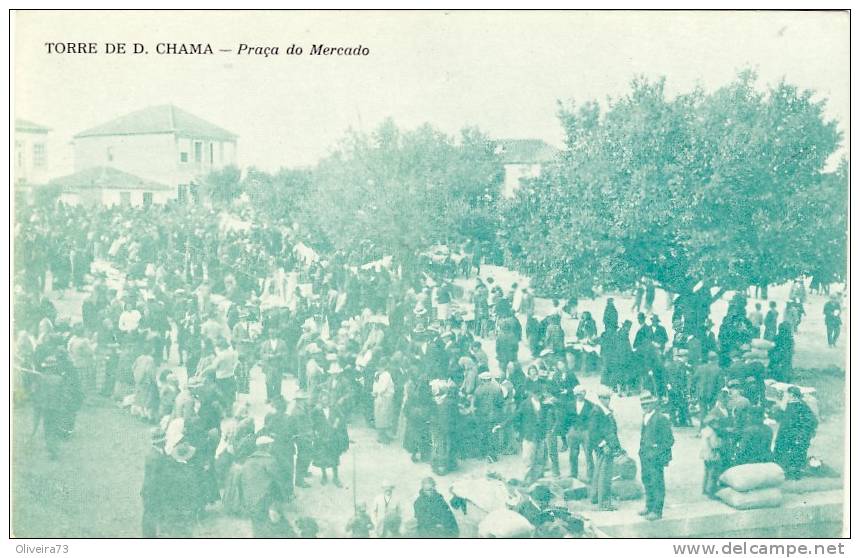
500 71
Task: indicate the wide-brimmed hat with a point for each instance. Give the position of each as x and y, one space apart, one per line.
263 440
387 484
485 375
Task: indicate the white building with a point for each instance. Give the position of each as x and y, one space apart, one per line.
160 145
31 153
109 186
522 159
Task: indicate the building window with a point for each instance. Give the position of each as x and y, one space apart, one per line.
109 154
198 152
183 157
40 155
183 193
147 199
125 198
19 150
211 153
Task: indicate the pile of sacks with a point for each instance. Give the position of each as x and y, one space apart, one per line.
758 350
752 486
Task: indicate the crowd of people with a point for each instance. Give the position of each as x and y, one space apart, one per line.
187 305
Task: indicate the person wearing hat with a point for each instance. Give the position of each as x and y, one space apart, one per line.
480 301
488 404
603 440
273 359
797 426
533 418
574 420
339 388
433 516
659 336
177 491
386 513
279 426
151 492
655 453
418 406
737 403
261 482
331 438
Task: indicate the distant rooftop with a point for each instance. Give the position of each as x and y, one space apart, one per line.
22 125
106 178
159 119
525 151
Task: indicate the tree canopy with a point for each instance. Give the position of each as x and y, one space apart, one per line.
404 190
725 189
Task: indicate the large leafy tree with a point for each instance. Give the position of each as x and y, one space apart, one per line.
222 185
699 192
404 190
278 196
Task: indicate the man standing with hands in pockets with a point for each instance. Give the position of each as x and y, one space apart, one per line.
655 453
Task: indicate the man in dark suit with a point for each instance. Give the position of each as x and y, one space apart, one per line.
655 453
153 485
532 420
272 354
574 426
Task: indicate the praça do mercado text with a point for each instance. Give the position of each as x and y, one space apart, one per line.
243 49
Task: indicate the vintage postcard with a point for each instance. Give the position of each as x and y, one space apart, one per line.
434 274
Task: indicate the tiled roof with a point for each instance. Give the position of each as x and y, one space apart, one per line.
525 151
22 125
159 120
106 178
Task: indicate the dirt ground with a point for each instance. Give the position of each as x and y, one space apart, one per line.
93 489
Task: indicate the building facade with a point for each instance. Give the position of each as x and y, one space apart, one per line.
522 159
31 153
162 145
